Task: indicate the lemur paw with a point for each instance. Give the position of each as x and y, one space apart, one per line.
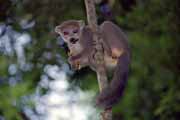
77 65
70 54
116 53
114 56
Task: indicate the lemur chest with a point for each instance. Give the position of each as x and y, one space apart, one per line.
75 49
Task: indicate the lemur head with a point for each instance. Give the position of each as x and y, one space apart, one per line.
70 31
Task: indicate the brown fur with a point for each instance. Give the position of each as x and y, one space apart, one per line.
116 55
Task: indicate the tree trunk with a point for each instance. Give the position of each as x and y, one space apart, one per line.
99 57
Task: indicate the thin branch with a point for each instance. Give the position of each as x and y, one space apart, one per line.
99 54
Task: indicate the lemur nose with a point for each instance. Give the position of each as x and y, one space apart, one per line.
73 40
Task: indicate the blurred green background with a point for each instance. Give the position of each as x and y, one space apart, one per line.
153 28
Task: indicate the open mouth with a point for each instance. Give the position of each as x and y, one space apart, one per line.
73 40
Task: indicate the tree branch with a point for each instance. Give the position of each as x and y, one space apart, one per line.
99 54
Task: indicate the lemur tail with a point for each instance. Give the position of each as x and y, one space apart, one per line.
112 94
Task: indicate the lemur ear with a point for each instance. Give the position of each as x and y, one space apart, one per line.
58 29
81 23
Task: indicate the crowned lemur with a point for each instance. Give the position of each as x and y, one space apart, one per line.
79 39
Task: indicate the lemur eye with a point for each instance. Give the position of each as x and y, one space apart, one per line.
75 31
65 33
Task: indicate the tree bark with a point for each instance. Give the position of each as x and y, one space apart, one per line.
99 54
